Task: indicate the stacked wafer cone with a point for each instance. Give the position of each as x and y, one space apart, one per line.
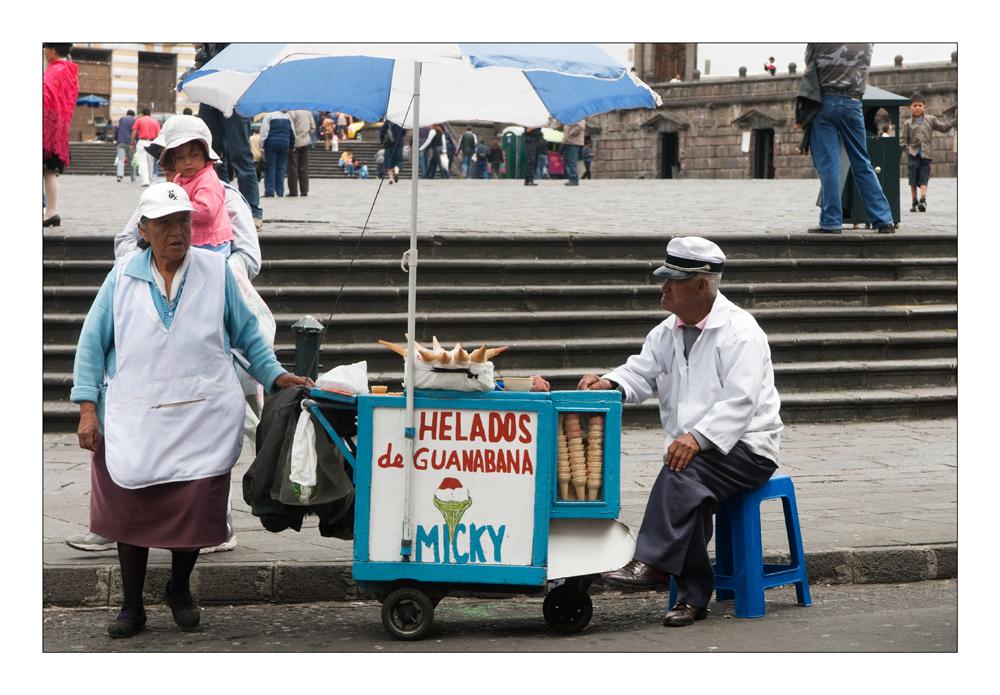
595 456
562 468
577 459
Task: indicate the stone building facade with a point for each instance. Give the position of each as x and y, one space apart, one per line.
744 127
130 76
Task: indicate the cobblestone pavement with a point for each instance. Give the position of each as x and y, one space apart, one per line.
97 204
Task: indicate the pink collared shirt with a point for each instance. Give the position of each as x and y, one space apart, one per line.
700 325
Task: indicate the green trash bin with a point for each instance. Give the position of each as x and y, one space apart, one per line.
513 147
885 154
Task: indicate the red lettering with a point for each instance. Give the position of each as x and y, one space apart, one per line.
477 429
526 466
386 460
416 461
522 421
434 462
501 462
458 428
477 462
496 427
468 463
510 427
514 459
453 461
432 428
491 464
445 428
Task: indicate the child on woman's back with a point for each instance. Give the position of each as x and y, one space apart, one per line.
188 151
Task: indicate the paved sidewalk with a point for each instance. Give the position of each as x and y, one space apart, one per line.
689 206
877 503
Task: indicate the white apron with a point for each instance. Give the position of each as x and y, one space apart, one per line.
174 410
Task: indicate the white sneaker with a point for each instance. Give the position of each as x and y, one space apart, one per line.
229 544
91 542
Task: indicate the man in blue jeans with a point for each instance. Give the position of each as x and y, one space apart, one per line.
843 76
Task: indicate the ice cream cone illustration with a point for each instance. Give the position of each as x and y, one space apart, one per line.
451 499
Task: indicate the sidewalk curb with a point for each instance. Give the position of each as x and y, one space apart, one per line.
294 582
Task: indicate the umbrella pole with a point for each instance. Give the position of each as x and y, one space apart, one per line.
411 318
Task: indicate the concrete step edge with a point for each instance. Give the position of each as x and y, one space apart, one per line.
279 581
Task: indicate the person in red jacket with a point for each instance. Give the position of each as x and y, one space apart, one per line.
60 89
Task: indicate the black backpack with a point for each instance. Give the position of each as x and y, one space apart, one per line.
389 138
482 151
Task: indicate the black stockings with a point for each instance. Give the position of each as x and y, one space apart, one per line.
133 559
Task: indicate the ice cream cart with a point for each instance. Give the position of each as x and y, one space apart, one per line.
506 492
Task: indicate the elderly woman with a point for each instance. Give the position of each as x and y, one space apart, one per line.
161 407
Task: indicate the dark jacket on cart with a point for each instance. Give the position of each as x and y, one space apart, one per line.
268 474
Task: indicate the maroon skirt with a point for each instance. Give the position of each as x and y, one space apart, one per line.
175 516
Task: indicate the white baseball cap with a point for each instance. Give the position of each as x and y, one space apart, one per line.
163 199
180 129
689 255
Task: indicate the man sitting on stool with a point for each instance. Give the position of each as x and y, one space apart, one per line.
710 365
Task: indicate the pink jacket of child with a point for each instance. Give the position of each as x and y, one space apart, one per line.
210 227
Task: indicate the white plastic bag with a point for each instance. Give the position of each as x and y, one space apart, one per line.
302 469
352 378
454 376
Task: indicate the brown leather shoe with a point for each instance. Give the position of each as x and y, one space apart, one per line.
637 574
682 615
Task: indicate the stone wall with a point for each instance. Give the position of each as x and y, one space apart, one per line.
709 118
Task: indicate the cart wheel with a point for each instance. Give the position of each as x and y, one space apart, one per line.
407 614
567 611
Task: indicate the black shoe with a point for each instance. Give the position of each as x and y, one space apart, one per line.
530 182
127 627
922 205
570 183
913 208
821 230
53 221
186 617
887 229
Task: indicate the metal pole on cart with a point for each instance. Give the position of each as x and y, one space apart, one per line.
411 316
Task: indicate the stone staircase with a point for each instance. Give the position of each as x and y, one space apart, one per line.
861 326
98 158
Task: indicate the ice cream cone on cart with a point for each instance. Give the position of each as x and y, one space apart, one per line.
451 499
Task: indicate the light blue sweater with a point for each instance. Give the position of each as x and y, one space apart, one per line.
95 351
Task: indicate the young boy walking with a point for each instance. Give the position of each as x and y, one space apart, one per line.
915 137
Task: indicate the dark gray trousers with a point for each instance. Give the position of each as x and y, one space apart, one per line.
677 525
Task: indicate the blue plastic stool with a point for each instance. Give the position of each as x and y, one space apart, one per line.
739 572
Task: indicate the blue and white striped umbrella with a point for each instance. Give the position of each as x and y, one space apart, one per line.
526 84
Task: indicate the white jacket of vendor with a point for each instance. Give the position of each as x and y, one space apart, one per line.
724 389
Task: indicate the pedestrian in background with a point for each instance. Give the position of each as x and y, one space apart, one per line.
587 154
532 146
467 147
432 148
123 140
916 137
60 89
144 131
276 139
303 127
572 144
496 158
391 136
329 126
482 161
770 67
